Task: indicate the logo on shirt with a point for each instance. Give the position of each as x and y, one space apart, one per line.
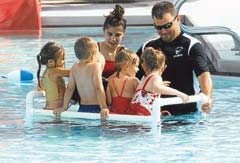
178 52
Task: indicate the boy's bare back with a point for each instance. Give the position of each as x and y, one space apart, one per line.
88 79
86 76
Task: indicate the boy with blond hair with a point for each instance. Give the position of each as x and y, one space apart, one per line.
86 76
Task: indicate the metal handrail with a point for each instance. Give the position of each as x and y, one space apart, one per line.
208 30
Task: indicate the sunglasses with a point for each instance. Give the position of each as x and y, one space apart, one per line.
165 26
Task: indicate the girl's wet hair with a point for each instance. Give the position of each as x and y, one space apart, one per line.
50 51
115 18
153 59
124 56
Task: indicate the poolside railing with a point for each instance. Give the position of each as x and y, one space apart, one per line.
208 30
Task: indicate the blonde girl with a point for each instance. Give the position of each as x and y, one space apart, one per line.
121 88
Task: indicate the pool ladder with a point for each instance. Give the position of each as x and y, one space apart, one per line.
209 30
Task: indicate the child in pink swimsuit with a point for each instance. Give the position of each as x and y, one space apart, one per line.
121 88
153 63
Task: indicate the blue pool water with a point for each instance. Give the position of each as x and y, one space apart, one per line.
213 138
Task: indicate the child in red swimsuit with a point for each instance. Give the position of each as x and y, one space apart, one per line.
121 88
153 63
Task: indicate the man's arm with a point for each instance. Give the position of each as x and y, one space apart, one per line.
206 87
201 69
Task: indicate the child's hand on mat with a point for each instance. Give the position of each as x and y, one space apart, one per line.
57 112
104 113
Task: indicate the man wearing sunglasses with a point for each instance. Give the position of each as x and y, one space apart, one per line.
187 67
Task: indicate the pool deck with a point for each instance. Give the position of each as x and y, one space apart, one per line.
62 14
83 14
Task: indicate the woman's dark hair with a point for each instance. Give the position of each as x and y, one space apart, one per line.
50 50
115 18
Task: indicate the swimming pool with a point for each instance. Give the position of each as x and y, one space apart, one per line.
214 138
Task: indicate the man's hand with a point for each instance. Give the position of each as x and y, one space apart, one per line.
206 107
